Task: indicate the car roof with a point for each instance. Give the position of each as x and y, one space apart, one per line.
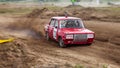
62 18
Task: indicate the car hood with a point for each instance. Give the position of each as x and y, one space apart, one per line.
76 30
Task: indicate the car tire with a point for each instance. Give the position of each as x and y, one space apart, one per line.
47 36
61 43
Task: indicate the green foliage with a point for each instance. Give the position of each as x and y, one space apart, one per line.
105 66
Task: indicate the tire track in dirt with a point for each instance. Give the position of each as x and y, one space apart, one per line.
100 52
90 55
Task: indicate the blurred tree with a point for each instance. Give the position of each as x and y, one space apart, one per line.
9 0
78 0
73 2
62 0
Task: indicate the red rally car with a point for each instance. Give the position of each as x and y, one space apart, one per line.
68 30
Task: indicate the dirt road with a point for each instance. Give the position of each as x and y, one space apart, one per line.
31 50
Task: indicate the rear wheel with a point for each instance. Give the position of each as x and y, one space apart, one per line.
61 43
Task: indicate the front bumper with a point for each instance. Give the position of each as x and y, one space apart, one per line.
71 41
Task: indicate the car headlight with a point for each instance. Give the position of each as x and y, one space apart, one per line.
90 36
69 36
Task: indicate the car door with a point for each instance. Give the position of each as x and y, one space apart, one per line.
55 29
51 27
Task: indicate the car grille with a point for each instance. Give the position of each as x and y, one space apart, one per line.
80 37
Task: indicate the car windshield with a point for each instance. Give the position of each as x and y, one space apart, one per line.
71 23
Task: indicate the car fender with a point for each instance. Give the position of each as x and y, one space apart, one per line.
60 34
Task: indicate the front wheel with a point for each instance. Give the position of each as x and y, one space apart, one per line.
89 44
61 43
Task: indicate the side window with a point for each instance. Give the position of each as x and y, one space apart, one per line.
56 23
52 22
63 23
